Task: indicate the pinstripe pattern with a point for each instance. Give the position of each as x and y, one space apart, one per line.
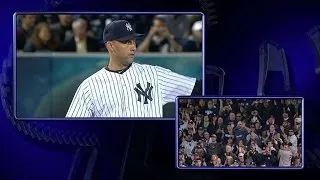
110 94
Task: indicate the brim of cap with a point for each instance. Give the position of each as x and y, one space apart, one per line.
130 37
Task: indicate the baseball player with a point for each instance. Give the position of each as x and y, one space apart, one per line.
127 89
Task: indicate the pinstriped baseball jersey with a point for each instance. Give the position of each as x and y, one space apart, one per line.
140 91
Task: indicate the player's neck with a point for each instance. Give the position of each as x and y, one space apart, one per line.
117 68
113 66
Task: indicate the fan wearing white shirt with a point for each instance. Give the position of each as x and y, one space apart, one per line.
188 145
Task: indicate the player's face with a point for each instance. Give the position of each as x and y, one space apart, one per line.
125 51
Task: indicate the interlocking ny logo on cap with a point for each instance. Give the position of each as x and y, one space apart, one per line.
129 28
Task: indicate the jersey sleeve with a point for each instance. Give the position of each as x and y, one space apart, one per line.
173 84
81 105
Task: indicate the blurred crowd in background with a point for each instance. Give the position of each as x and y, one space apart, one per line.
240 133
83 33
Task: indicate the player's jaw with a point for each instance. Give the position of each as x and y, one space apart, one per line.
131 56
126 51
127 58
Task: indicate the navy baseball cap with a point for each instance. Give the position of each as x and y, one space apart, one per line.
120 30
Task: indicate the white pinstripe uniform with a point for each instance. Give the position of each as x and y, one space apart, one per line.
140 91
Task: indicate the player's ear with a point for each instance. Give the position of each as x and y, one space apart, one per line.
109 46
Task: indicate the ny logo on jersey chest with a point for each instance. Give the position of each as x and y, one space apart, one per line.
146 93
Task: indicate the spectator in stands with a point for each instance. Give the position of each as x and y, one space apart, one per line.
189 144
24 31
220 126
241 131
297 162
270 154
254 117
297 126
81 42
290 108
181 137
191 128
252 136
285 156
218 163
207 139
194 43
271 121
215 147
182 162
252 154
202 105
286 119
292 138
229 161
258 129
229 132
232 118
63 27
238 117
179 24
210 109
266 110
300 106
159 39
242 160
299 151
42 39
228 152
214 123
199 135
207 124
213 158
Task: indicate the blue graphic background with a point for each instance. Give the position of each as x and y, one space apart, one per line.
232 44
